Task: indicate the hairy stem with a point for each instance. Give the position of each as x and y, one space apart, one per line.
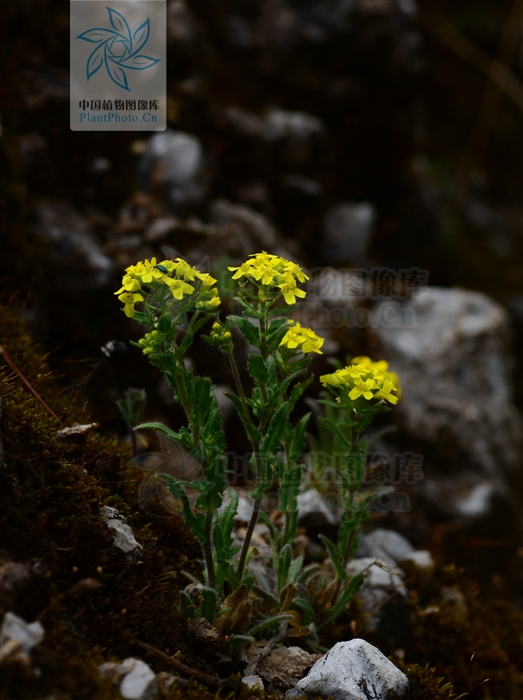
207 550
248 536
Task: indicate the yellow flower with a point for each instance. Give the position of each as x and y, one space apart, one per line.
129 284
178 288
362 388
268 271
289 289
186 271
303 338
130 299
367 379
174 274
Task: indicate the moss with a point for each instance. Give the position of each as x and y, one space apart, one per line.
50 498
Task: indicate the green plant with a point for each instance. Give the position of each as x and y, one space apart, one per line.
131 407
177 301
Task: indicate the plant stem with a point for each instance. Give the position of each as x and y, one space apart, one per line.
207 550
134 444
248 536
256 448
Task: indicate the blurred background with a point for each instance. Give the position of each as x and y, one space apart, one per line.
369 134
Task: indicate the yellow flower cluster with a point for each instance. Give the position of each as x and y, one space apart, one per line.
268 271
303 338
365 378
181 279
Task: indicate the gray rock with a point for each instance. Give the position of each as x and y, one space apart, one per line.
392 548
378 574
245 509
421 558
347 233
383 594
275 125
166 681
476 502
453 360
78 259
27 634
173 164
253 682
284 666
390 543
254 230
135 679
139 682
315 511
123 535
352 670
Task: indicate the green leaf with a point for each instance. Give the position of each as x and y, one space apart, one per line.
304 605
257 368
295 569
274 431
247 329
347 595
297 391
341 574
266 521
196 521
269 622
274 337
336 433
278 310
208 604
252 432
227 517
267 597
298 438
284 562
188 608
308 572
160 427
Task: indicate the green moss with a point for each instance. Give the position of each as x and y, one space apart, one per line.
50 498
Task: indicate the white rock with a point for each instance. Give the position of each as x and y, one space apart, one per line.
166 681
173 162
390 543
382 587
378 573
421 558
27 634
314 510
122 534
244 510
352 670
139 682
450 348
477 501
253 682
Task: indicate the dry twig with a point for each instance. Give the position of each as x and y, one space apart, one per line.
33 391
200 676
